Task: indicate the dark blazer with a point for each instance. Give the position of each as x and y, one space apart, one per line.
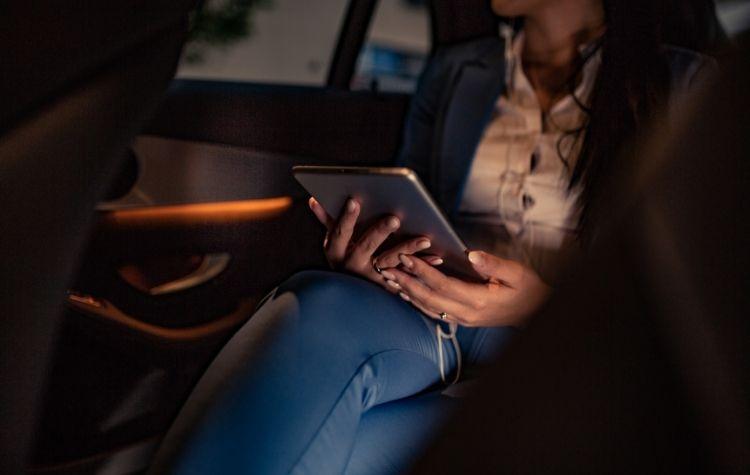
454 102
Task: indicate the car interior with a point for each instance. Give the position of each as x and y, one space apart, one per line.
145 215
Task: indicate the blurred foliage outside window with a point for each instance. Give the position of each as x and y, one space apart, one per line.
220 23
263 41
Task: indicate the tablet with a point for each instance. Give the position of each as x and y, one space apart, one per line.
389 191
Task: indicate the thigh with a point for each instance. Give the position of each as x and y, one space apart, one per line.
482 346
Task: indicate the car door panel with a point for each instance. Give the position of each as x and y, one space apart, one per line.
317 123
210 177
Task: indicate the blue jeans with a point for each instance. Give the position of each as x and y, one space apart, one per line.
331 375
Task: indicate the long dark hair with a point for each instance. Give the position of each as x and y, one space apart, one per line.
631 86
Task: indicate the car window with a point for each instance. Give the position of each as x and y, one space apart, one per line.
396 49
734 15
270 41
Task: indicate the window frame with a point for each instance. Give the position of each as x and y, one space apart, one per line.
351 39
353 36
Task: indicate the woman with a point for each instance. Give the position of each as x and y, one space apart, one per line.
515 137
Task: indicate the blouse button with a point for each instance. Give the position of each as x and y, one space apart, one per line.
528 201
534 160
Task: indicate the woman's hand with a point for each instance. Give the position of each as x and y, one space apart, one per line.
357 257
512 293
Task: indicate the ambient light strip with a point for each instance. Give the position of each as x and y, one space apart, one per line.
224 212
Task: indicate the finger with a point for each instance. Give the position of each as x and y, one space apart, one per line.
450 287
372 239
415 291
432 260
426 311
495 268
389 258
449 318
390 285
341 234
371 274
320 213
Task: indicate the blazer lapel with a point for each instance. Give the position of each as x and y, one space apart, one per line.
476 87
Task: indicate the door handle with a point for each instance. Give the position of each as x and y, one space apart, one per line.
105 311
211 266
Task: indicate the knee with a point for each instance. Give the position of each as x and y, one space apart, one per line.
315 285
322 295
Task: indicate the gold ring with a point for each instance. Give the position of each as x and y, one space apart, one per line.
375 266
443 315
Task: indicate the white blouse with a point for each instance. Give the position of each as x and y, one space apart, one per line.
518 182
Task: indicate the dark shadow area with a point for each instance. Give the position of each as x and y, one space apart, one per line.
639 364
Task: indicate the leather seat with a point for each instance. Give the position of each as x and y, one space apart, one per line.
79 80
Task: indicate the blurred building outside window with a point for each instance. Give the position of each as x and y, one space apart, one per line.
396 49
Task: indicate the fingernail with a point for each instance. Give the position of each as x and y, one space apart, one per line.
404 296
475 257
423 244
393 222
387 275
312 202
405 261
393 284
351 205
436 262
